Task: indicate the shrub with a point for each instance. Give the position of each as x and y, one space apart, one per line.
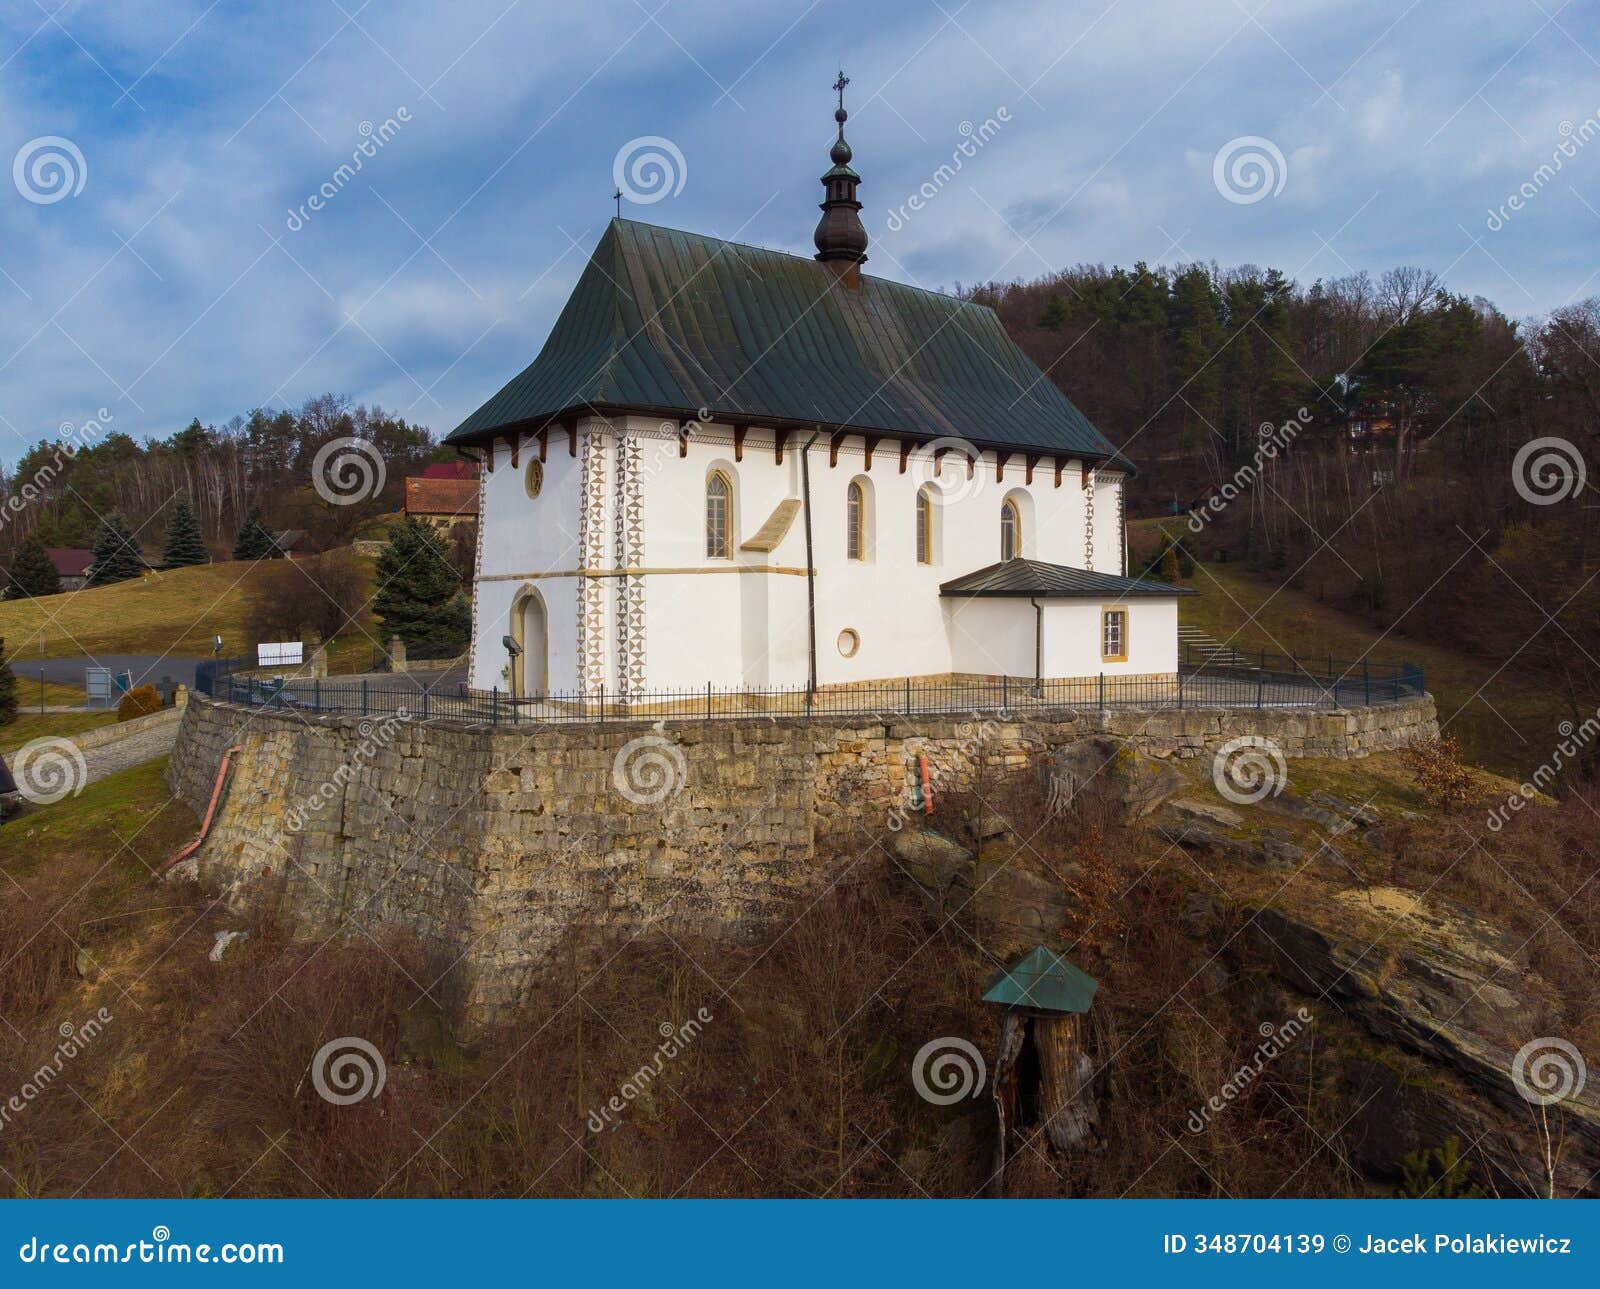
1438 773
139 701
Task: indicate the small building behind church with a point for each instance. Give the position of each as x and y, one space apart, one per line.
743 468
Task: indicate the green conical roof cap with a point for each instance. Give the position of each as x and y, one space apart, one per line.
1044 981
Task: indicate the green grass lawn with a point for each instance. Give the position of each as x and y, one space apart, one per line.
1501 719
130 816
32 725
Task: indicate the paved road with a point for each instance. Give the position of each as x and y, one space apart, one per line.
134 750
69 671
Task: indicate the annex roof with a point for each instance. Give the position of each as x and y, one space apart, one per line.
1034 578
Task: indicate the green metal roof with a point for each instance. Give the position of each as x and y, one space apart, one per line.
1044 981
1033 577
668 322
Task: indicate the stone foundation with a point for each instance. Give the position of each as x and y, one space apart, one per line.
491 844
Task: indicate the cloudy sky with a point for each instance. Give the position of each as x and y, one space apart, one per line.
161 257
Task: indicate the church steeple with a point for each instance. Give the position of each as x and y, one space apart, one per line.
840 234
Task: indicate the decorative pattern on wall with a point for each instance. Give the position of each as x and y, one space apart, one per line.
477 566
591 541
1122 528
630 554
1088 518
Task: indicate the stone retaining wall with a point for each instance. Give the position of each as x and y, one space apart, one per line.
491 844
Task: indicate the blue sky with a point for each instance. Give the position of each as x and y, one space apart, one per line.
164 280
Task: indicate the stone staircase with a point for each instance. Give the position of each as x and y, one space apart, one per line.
1195 647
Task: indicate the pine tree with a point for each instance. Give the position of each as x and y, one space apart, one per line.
254 541
32 573
420 598
184 545
116 553
8 688
1055 313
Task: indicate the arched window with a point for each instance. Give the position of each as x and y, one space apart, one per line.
719 516
1010 531
924 527
855 518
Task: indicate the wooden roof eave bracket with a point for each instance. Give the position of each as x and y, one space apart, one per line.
905 454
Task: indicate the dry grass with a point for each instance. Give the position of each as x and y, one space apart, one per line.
1502 717
32 725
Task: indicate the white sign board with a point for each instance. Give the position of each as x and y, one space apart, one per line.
289 654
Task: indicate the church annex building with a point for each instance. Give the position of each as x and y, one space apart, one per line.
741 467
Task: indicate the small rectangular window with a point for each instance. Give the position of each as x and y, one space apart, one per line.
1114 635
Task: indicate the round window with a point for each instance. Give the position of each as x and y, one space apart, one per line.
849 642
534 479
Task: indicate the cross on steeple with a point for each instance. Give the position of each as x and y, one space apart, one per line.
618 198
840 235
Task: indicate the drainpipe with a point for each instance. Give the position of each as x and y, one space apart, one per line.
1038 646
811 574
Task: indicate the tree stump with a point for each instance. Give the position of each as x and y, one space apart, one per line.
1071 1119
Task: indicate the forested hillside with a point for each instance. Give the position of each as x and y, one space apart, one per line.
1398 490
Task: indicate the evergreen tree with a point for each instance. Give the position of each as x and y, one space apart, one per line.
116 553
254 541
184 545
1055 314
8 688
32 573
420 598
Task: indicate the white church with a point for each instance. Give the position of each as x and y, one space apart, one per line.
741 467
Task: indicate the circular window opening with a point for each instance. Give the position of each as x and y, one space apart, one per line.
533 480
849 642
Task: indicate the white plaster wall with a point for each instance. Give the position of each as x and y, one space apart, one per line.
1072 637
724 621
520 536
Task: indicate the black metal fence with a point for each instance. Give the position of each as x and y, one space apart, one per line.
1212 684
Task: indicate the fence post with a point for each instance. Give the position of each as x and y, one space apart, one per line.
316 694
1261 684
1100 690
708 700
908 695
424 702
494 705
1005 693
363 697
1180 691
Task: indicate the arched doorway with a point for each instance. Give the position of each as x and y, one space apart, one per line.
530 629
